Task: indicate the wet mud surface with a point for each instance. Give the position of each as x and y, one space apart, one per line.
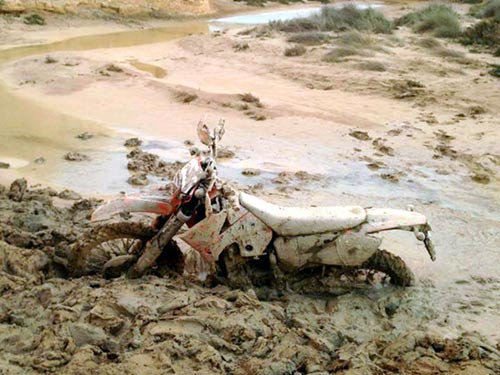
158 325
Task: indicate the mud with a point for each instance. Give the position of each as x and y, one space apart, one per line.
142 164
154 325
50 323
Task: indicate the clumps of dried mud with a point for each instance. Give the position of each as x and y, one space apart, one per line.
168 325
142 164
482 168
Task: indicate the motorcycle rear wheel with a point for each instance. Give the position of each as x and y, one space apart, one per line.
392 265
122 243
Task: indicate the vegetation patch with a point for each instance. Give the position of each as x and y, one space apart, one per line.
484 33
114 68
249 98
297 50
437 49
309 38
338 19
429 42
373 66
355 39
340 53
34 19
487 9
50 60
495 71
438 19
185 97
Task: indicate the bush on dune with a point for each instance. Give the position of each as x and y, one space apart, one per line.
309 38
297 50
439 19
487 9
340 53
338 19
487 31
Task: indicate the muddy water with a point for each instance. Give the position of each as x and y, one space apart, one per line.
30 131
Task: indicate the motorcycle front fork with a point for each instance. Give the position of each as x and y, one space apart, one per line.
155 245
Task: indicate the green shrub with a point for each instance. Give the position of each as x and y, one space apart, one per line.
356 39
297 50
487 9
339 53
309 38
338 19
373 66
495 71
438 49
34 19
485 32
439 19
429 42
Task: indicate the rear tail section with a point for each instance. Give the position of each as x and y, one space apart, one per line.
382 219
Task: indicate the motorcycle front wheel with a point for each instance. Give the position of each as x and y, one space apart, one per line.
110 249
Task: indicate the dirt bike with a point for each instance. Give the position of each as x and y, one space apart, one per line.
248 241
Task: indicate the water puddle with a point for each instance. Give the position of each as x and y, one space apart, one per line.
111 40
154 70
30 131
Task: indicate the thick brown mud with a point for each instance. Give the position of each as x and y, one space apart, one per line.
158 325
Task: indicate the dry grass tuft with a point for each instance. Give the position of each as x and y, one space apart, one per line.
309 38
297 50
438 19
348 17
340 53
373 66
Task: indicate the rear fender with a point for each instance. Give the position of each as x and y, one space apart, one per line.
382 219
153 205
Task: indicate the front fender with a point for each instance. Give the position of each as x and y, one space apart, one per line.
127 204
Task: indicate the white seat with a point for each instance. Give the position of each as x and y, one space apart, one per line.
298 221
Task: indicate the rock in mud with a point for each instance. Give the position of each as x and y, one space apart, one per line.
404 89
133 142
379 145
76 156
250 172
40 160
86 334
69 195
85 136
361 135
225 153
392 176
481 178
4 165
17 189
140 179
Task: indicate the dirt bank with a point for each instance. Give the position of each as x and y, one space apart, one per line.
125 8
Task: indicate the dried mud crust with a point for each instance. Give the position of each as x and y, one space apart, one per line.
391 265
81 250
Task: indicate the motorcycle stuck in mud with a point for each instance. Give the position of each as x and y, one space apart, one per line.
247 241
